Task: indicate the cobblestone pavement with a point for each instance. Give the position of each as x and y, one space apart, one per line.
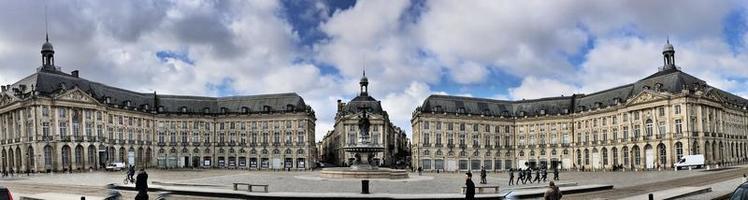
310 182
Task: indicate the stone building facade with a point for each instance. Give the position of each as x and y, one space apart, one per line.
346 131
55 121
643 125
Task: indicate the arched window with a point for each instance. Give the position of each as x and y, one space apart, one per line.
663 155
614 154
66 156
649 128
679 150
637 156
48 157
625 151
605 156
579 157
586 157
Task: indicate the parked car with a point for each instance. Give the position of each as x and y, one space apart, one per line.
5 194
695 161
741 193
115 166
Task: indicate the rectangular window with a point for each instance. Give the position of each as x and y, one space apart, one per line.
677 109
661 111
678 127
438 138
63 129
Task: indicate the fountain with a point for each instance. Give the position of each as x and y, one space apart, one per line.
364 151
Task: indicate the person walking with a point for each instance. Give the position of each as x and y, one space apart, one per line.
483 175
511 176
537 175
528 175
141 184
521 176
555 174
130 173
545 175
553 193
420 170
470 186
745 178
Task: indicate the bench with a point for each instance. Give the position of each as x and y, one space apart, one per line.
249 186
480 189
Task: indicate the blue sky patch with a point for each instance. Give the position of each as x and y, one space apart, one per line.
165 55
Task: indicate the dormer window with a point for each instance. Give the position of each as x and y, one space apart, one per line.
565 111
486 112
658 86
108 100
542 111
183 109
245 110
598 104
224 110
266 108
146 107
289 107
437 108
206 110
127 103
645 87
161 109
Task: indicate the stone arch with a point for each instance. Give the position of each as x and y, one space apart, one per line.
48 157
707 156
30 164
5 159
91 156
11 159
661 155
678 150
79 157
66 165
636 156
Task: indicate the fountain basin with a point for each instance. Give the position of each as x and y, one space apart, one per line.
378 173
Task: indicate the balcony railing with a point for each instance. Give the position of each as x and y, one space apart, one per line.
438 145
161 144
173 144
300 144
185 144
65 138
488 146
426 145
207 144
197 144
232 143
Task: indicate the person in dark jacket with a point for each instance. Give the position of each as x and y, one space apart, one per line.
545 175
470 190
553 193
555 174
511 176
537 175
483 175
520 176
141 184
528 175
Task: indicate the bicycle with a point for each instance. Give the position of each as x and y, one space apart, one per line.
128 180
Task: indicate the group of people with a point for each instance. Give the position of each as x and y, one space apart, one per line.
553 193
526 175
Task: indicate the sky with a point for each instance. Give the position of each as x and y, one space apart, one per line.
411 49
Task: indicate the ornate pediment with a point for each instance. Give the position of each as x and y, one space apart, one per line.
6 99
646 96
714 96
76 95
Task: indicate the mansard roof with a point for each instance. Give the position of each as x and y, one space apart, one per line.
669 80
48 83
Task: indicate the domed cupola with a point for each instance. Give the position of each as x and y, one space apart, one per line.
668 53
364 85
48 55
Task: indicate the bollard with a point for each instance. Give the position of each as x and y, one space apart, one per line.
83 198
651 196
364 186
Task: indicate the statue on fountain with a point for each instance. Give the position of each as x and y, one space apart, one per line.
363 127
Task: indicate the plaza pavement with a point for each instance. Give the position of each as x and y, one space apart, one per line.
309 181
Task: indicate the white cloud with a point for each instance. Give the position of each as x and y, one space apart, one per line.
533 88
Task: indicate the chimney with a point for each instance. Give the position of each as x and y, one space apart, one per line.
3 88
22 87
74 73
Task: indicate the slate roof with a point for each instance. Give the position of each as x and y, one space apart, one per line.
48 82
671 80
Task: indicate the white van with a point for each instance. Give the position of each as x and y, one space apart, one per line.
695 161
115 166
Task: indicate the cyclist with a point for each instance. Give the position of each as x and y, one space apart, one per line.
130 173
